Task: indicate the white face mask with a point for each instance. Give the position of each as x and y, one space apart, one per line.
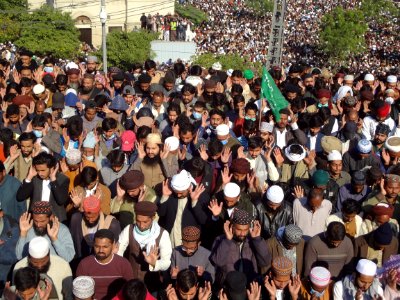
91 158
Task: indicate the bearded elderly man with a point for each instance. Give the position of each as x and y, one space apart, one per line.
148 245
154 161
182 205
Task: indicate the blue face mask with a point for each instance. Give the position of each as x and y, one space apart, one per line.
196 115
224 142
48 69
248 118
318 294
319 105
38 133
137 230
110 138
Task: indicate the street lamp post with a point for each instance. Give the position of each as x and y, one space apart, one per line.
103 20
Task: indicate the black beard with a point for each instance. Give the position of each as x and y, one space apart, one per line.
86 91
378 142
242 184
91 225
39 231
42 270
151 161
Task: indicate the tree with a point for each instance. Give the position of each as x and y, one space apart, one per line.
195 15
13 4
260 7
342 33
125 48
9 29
49 31
379 11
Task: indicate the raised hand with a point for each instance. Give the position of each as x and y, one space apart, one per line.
228 230
66 138
225 155
385 157
222 295
270 286
251 180
45 294
182 153
310 158
174 272
14 152
203 152
240 152
204 293
63 166
195 194
53 172
166 190
171 293
254 292
165 151
153 256
278 156
294 286
140 148
120 192
25 223
52 231
255 232
226 178
32 173
204 118
298 192
31 108
75 198
142 193
215 208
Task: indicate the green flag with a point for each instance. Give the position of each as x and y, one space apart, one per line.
272 94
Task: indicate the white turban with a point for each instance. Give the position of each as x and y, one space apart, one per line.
181 181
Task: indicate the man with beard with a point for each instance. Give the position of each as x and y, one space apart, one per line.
56 268
190 255
240 249
117 84
109 270
154 162
273 212
331 248
73 77
147 244
362 285
85 224
130 190
241 174
88 89
381 134
41 222
217 117
91 65
391 154
45 183
13 121
182 205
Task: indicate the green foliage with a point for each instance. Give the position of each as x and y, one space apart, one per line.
228 61
379 10
260 7
13 4
342 34
125 48
9 28
48 31
192 13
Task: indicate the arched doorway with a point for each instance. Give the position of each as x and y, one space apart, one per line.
84 25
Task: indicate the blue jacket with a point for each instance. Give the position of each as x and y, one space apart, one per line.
9 237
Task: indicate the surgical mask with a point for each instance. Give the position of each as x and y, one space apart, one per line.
136 76
139 232
317 294
196 115
38 133
48 69
110 138
322 105
224 142
74 86
91 158
248 118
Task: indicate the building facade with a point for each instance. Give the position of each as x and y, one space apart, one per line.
121 14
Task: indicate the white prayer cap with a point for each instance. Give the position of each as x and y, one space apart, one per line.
71 65
369 77
194 80
181 181
222 129
348 78
83 287
38 89
73 156
229 72
334 155
275 194
366 267
320 276
392 144
73 91
217 66
39 247
231 190
295 157
391 79
172 142
266 127
389 100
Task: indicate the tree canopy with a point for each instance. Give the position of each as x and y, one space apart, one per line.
261 7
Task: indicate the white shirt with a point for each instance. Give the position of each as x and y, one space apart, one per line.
46 190
281 138
369 126
313 141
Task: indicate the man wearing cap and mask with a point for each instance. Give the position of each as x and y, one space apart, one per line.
131 189
288 242
377 245
56 268
272 211
147 244
363 284
84 225
280 283
190 255
389 194
331 248
183 203
41 222
155 161
380 113
359 158
224 136
318 285
335 169
241 248
357 190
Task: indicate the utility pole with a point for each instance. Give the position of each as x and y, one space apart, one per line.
126 15
103 20
276 36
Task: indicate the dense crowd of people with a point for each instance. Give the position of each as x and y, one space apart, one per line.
235 28
184 183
